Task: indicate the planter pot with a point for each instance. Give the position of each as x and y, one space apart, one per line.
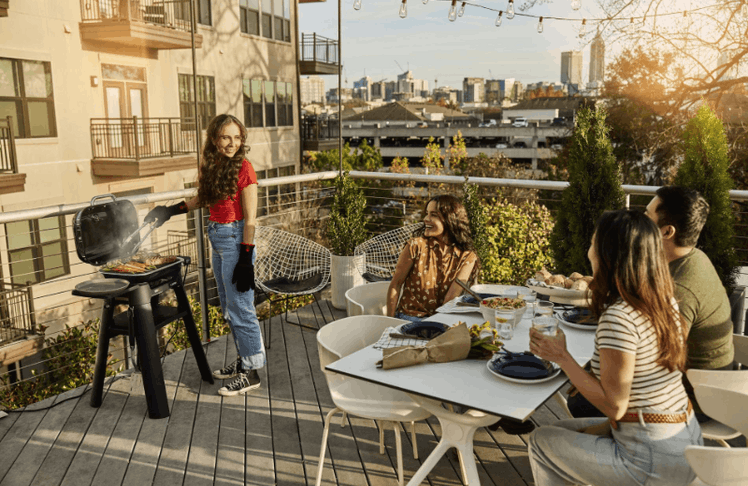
344 276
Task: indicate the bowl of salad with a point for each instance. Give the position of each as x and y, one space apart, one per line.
488 308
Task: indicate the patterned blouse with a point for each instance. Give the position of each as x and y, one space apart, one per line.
432 274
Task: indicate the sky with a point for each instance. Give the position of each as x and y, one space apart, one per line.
431 46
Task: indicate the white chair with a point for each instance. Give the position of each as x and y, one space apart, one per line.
725 405
736 381
382 253
741 349
367 299
357 397
716 466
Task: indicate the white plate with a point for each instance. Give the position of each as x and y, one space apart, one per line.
557 291
582 327
520 380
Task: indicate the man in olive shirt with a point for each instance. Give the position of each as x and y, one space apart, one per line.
680 213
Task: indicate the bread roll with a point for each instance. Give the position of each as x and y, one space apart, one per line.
543 275
576 276
587 279
580 284
568 283
557 281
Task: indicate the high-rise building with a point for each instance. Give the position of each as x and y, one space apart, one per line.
571 67
312 90
362 88
472 89
597 60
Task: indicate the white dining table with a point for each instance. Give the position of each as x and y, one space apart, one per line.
467 383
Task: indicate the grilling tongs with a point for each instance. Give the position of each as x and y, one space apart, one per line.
153 225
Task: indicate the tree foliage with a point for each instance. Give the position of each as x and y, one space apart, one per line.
478 221
346 228
365 158
704 169
594 187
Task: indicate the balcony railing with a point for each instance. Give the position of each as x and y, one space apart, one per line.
8 160
141 138
319 55
174 14
17 316
317 132
180 243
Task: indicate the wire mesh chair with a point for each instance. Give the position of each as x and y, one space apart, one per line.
290 265
382 252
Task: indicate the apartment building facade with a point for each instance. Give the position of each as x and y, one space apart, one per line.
100 97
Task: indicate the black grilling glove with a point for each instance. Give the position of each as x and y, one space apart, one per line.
161 214
244 271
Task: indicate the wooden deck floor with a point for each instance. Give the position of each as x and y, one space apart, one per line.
269 437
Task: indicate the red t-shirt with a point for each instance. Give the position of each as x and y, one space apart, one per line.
230 210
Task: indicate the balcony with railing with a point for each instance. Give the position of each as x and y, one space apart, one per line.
319 133
319 55
10 179
138 147
155 24
4 6
18 331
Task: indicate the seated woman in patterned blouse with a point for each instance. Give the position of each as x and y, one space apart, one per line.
429 264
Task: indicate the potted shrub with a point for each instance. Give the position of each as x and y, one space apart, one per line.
345 231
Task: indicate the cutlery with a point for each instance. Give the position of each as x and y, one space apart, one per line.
465 286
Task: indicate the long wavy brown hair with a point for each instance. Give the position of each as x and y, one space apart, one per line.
456 222
219 175
632 266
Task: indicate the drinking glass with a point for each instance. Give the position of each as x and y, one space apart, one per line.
505 323
543 308
529 296
545 324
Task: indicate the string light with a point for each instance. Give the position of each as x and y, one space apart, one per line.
510 10
498 19
357 5
583 29
461 12
576 4
453 11
540 25
425 2
404 9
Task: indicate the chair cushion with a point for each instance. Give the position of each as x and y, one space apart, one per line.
371 277
284 285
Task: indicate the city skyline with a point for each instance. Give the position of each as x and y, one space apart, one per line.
376 39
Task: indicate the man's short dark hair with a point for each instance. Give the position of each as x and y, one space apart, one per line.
684 209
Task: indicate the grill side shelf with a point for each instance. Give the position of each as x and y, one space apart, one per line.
162 315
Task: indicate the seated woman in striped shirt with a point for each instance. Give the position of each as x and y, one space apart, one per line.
637 368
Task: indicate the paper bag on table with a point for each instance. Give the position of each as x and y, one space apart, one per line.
453 345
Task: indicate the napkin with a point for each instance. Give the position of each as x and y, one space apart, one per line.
453 345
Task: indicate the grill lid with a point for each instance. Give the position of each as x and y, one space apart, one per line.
101 229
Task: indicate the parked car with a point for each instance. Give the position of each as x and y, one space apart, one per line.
557 146
558 122
520 121
501 145
488 123
520 145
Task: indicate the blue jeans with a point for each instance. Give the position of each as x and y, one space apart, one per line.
635 454
238 307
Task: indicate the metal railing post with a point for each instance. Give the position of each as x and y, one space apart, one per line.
135 137
171 140
12 146
32 309
314 47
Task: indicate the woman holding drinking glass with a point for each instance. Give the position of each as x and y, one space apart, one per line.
637 368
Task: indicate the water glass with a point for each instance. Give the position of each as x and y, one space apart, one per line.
543 308
505 323
545 324
529 297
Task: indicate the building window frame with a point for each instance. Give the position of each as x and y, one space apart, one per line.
24 103
249 16
254 116
206 100
35 246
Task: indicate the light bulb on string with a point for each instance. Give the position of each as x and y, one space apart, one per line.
404 9
461 12
453 11
357 5
583 28
540 25
425 2
510 10
576 4
498 19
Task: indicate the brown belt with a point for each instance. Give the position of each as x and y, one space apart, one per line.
654 418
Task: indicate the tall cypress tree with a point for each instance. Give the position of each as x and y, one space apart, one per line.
704 169
594 187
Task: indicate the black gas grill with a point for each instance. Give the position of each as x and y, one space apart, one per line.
109 230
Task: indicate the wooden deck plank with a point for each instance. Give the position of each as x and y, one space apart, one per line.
259 463
6 423
201 462
230 453
40 442
142 466
19 433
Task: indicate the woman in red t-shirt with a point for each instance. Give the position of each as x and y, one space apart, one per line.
228 186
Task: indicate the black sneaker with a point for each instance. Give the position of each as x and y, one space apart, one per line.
245 382
230 371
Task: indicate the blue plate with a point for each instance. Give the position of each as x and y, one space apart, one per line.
579 316
524 366
424 329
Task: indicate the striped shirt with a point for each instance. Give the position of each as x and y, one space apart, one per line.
625 329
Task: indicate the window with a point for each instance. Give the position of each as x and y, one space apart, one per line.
269 104
267 19
37 250
289 104
252 102
202 11
285 104
26 95
287 20
249 16
206 100
278 19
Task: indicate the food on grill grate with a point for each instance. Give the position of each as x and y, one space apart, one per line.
139 264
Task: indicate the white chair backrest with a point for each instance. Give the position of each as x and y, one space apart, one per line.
741 349
736 380
345 336
726 406
367 299
719 466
